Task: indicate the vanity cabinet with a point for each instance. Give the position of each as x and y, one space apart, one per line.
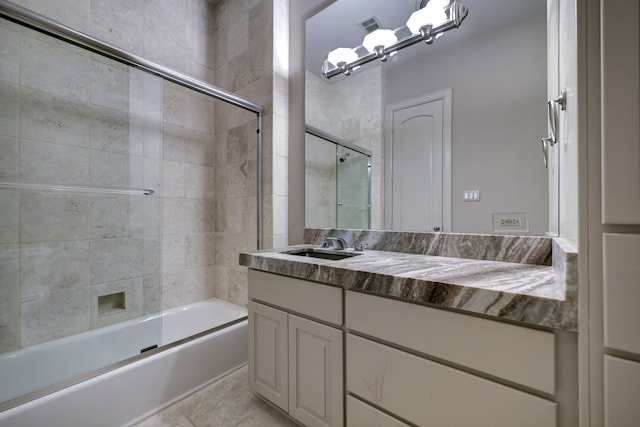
295 357
435 367
315 348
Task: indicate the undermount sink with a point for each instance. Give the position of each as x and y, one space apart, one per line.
322 254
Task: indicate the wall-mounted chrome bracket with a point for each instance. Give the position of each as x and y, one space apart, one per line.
561 100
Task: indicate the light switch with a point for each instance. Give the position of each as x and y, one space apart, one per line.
471 196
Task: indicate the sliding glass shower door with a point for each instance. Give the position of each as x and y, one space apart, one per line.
337 183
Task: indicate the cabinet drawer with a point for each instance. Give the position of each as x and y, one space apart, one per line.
621 391
429 394
621 292
320 301
361 414
465 340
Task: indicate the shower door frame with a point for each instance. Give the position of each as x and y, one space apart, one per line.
53 28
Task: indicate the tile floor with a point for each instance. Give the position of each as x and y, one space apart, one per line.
226 403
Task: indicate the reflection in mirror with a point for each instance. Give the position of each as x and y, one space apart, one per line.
337 183
493 66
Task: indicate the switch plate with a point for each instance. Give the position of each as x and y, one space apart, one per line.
471 196
510 222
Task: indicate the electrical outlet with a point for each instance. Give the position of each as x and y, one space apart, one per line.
510 222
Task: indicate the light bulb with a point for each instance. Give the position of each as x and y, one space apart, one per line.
342 54
379 37
432 14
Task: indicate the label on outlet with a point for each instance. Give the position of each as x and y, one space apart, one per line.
510 222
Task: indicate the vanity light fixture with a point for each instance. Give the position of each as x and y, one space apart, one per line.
426 24
379 40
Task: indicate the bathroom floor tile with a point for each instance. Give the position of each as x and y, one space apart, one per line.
227 402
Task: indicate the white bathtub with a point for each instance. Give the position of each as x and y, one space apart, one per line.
127 394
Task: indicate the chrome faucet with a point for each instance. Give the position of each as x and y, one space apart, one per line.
334 243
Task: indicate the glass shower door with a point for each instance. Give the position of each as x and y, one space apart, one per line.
80 229
353 190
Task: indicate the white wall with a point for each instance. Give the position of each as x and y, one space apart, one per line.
499 115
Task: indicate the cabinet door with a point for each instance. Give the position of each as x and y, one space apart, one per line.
315 373
620 111
268 354
621 291
621 391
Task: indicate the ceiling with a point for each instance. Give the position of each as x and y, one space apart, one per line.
337 25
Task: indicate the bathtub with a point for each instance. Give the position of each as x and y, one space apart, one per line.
203 342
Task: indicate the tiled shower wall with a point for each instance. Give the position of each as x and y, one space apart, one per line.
251 60
208 172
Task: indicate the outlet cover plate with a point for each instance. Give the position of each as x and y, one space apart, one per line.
510 222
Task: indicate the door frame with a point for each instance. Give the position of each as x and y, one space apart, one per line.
445 95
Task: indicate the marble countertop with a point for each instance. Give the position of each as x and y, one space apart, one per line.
531 294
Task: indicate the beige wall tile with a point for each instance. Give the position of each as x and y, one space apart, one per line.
200 250
46 267
119 22
152 293
45 163
75 13
8 159
173 182
109 83
68 124
173 289
110 216
116 259
68 69
199 284
173 102
54 315
199 182
9 297
173 252
110 132
9 52
9 221
48 217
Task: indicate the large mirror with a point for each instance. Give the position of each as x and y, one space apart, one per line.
453 127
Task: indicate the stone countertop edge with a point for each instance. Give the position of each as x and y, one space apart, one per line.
536 295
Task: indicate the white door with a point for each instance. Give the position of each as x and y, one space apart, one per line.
416 169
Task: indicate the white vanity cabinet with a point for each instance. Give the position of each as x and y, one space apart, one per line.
315 348
435 367
296 362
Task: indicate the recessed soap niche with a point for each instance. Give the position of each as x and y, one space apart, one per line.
111 304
